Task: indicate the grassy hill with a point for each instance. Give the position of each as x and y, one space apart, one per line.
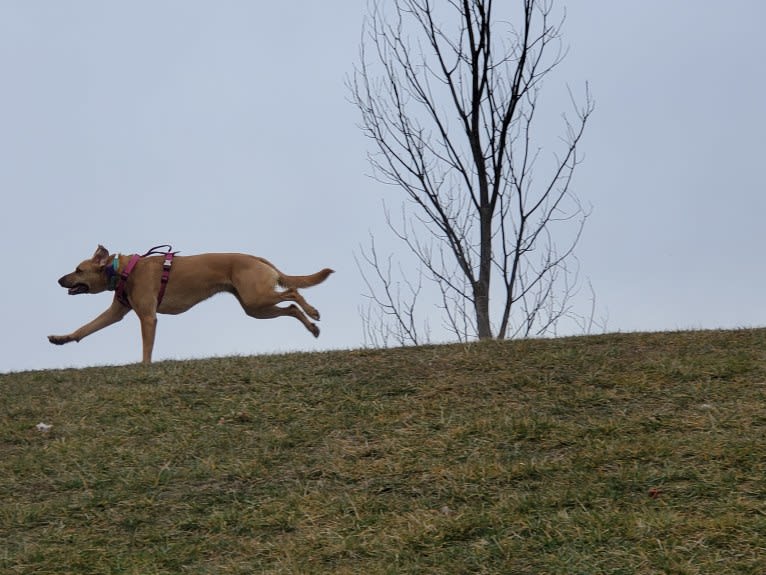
634 453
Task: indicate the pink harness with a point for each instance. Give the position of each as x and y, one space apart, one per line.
120 287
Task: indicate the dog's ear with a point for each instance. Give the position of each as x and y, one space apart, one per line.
101 256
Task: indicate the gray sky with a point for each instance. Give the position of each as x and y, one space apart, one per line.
226 126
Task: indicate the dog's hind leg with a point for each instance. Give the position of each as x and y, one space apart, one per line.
254 299
272 311
291 294
257 288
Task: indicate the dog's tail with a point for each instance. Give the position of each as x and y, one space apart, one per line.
297 282
303 281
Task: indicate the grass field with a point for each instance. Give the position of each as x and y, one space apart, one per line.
629 453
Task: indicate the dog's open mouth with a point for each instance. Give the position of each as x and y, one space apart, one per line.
78 288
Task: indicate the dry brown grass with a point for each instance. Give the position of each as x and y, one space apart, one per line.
634 453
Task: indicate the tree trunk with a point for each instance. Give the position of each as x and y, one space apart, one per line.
481 304
481 288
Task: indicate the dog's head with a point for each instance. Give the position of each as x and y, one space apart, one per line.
89 276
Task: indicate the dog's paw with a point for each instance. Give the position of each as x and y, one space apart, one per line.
312 312
314 329
59 339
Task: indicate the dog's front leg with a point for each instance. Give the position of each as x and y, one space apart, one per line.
113 314
148 330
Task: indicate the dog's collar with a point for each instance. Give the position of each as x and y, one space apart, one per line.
112 274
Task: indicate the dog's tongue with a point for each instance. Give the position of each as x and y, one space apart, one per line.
79 288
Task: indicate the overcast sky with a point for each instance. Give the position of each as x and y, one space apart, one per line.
226 126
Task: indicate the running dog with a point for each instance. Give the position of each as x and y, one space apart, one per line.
140 284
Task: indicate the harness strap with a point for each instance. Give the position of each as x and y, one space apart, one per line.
165 275
156 250
122 282
120 289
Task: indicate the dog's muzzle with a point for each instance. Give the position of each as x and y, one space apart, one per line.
73 289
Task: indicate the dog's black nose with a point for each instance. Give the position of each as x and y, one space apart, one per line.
61 281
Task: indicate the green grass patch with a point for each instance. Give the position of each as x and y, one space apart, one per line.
629 453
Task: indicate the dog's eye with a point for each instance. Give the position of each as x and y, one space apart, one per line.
78 271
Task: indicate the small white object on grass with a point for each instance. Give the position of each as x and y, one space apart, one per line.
43 427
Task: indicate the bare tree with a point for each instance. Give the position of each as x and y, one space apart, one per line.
448 94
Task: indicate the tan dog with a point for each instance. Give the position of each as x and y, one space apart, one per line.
192 279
